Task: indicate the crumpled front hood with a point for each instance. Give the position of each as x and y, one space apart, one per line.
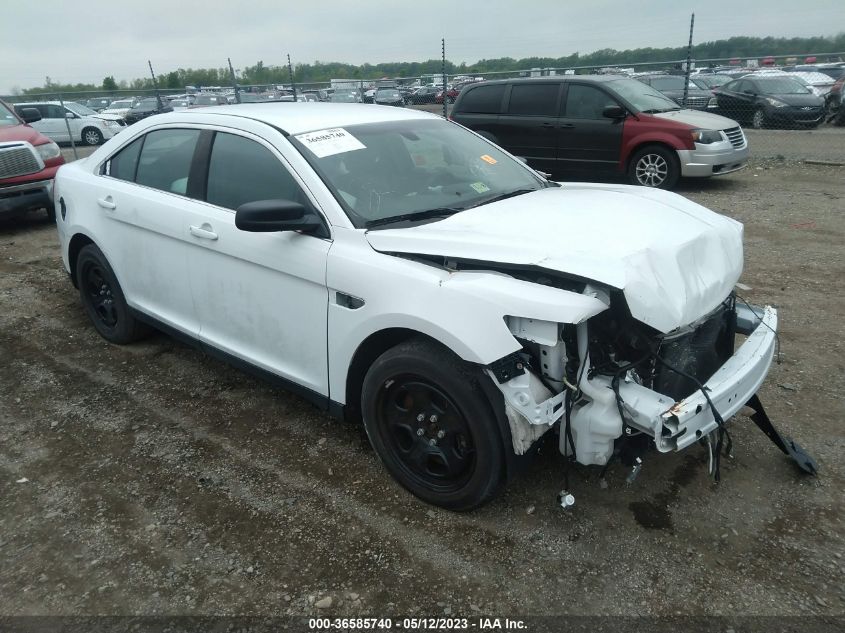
674 260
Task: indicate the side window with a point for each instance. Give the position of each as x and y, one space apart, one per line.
241 170
483 99
586 102
165 160
534 99
124 164
55 112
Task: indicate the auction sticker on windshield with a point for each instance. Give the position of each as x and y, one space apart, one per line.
329 142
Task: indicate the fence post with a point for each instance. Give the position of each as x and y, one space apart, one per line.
689 61
292 83
67 124
234 81
443 73
155 85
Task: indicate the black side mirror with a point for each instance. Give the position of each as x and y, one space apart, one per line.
614 112
264 216
30 115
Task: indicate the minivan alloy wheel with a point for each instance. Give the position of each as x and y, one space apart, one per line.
652 170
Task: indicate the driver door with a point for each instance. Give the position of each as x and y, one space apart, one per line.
260 297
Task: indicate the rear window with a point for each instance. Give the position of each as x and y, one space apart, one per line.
483 99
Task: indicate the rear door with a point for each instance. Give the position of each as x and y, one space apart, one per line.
588 140
528 126
142 197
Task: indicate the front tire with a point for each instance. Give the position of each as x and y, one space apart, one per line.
654 166
429 421
92 136
103 298
758 119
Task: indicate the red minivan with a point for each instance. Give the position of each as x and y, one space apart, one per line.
28 163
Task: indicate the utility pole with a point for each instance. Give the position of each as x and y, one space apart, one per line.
155 84
292 83
443 73
689 60
234 81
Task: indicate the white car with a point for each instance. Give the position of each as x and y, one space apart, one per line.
86 125
397 268
119 109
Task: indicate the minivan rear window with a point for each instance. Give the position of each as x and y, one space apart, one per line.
534 99
483 99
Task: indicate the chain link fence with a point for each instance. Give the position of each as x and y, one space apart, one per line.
788 110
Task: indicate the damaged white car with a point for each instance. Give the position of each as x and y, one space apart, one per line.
396 268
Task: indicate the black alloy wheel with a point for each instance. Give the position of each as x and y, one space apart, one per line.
103 298
431 424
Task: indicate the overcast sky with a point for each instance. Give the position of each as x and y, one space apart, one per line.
85 41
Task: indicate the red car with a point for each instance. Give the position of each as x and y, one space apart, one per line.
451 95
28 163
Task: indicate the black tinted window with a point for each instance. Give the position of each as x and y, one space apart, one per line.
586 102
55 112
124 164
166 160
534 99
483 99
243 171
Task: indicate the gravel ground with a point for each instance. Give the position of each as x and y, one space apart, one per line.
151 479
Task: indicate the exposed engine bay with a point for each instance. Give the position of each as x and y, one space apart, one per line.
618 387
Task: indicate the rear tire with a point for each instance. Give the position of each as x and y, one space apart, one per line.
103 298
431 424
654 166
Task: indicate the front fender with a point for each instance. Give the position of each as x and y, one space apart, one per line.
465 311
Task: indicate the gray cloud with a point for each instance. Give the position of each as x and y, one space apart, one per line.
85 41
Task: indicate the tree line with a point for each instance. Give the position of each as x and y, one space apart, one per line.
317 72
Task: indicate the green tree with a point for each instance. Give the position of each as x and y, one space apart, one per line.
109 83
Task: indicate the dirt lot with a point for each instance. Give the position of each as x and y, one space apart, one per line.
150 479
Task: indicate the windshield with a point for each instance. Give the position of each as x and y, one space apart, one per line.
146 104
667 83
345 97
115 105
78 108
642 97
7 117
207 100
383 172
782 86
388 94
710 81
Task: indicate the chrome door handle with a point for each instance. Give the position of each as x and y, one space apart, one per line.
107 203
204 233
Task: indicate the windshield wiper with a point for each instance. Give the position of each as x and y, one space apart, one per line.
504 196
439 212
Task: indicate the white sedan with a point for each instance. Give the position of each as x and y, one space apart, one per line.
396 268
